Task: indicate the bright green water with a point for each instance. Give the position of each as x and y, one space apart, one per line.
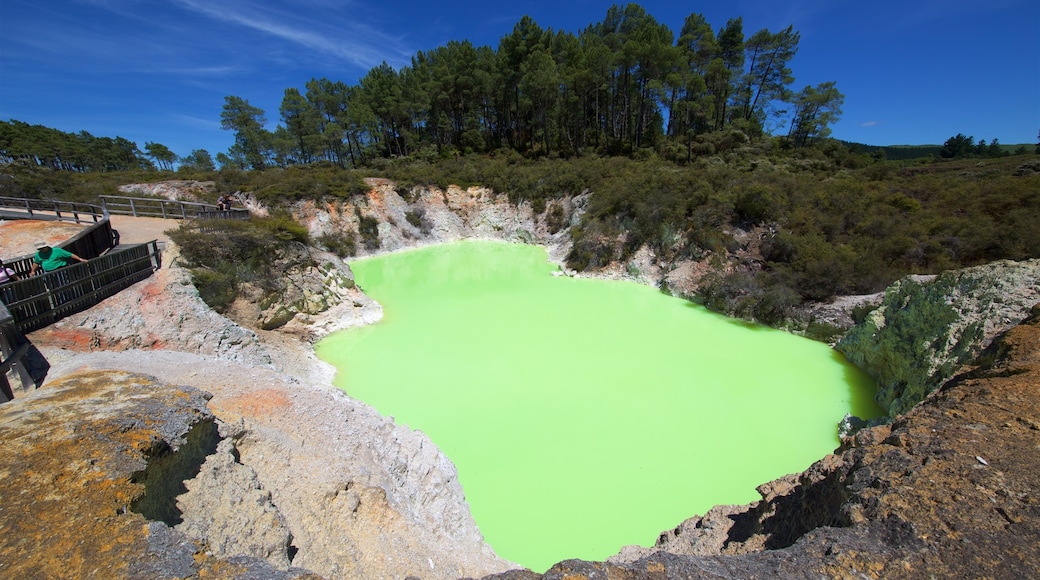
584 415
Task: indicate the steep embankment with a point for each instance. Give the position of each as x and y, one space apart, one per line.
303 476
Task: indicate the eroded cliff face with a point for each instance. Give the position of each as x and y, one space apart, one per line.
424 215
428 215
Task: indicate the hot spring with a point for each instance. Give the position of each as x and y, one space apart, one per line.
584 415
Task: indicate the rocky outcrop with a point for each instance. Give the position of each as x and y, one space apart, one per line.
303 282
424 215
175 190
228 507
162 312
75 461
927 328
307 475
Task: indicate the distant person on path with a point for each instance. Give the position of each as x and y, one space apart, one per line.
224 203
7 274
49 259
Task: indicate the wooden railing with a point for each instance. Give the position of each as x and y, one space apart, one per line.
166 209
228 214
35 302
49 209
92 242
13 347
46 209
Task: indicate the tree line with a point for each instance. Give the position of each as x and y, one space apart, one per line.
620 86
82 152
961 147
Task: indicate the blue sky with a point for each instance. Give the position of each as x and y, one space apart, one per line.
912 71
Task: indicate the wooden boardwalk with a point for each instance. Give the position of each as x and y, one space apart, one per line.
33 302
115 260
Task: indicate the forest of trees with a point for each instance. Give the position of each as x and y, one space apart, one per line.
620 86
624 86
82 152
962 147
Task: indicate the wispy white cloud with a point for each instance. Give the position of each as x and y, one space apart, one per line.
869 124
197 122
322 27
203 71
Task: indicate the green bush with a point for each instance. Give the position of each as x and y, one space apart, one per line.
224 253
860 313
368 227
342 244
217 289
822 331
556 219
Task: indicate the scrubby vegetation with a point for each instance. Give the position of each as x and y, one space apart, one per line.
221 254
833 222
829 221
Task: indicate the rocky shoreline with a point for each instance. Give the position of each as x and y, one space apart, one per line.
301 481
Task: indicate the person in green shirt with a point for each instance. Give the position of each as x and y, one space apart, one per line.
49 259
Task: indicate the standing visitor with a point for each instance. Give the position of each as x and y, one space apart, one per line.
7 274
49 259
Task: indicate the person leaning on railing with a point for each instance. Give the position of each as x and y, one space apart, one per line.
49 259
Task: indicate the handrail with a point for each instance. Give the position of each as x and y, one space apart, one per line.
92 242
35 302
154 207
46 209
50 209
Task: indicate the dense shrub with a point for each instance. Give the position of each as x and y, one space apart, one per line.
750 296
342 244
555 219
368 227
217 289
221 254
596 244
279 186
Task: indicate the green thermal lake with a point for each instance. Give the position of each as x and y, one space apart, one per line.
584 415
